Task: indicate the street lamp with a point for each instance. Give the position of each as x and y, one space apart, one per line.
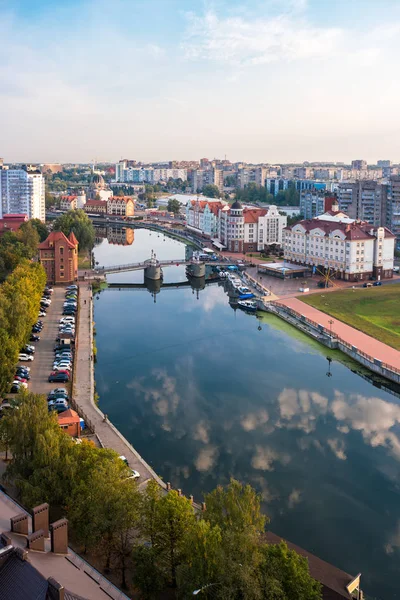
331 322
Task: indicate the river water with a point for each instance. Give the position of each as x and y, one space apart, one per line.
205 393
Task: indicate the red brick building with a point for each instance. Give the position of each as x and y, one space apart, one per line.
69 422
12 222
59 257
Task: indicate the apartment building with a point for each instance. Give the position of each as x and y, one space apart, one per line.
250 229
203 216
393 206
354 250
364 200
314 203
68 202
152 175
121 205
22 191
209 176
359 165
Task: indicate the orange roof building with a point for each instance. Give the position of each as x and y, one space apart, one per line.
59 257
70 422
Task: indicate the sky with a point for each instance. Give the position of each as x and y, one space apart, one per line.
258 81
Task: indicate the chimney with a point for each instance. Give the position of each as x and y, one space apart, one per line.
19 524
59 536
40 518
35 541
55 590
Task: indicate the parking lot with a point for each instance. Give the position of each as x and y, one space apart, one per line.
44 355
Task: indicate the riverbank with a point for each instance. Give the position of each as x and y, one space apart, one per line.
84 391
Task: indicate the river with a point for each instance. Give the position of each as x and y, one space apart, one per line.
205 393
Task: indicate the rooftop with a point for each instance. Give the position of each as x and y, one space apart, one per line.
56 236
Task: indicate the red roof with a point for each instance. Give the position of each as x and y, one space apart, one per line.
16 216
69 416
358 230
116 198
96 203
53 237
72 238
251 215
69 198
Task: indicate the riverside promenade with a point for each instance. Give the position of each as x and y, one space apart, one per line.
353 337
83 391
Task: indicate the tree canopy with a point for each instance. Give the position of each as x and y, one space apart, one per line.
174 206
211 191
78 222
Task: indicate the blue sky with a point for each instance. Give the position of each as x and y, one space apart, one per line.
260 80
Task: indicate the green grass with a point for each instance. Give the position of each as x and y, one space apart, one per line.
84 261
375 311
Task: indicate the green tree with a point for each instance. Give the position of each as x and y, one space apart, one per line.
211 191
175 516
29 236
78 222
40 227
236 508
147 576
284 575
174 206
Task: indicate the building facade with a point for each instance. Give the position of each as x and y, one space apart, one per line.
59 257
22 191
393 206
68 202
12 222
364 200
96 206
250 229
314 203
121 205
354 250
203 216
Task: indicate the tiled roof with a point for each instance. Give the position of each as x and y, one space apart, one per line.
96 203
20 581
15 216
72 238
69 416
119 198
68 198
358 230
53 237
330 576
251 215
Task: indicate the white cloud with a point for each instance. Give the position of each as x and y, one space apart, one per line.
201 432
300 409
251 421
256 40
265 457
337 446
294 498
393 541
206 458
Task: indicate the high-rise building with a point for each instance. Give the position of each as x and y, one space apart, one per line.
22 191
393 206
314 203
359 165
364 200
384 163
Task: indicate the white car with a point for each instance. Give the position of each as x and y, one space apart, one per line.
61 364
25 357
45 301
134 474
67 320
20 383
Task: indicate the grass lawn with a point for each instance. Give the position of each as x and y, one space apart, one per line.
375 311
84 261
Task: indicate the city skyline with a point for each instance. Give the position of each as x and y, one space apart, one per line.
266 81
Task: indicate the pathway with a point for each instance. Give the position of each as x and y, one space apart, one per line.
362 341
83 391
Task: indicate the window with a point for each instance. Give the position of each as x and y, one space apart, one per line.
61 250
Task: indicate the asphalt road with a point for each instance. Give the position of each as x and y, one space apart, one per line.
41 366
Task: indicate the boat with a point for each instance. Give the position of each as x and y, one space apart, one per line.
249 305
243 289
246 296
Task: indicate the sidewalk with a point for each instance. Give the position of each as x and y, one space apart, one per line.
352 336
83 391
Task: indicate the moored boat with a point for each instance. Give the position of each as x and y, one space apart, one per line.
249 305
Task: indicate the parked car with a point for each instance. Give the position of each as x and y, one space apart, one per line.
15 387
64 366
42 314
367 284
52 396
67 320
25 357
61 377
22 384
19 378
34 338
23 368
72 287
49 289
134 474
57 402
22 373
28 349
376 283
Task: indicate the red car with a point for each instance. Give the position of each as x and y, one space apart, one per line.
65 371
18 378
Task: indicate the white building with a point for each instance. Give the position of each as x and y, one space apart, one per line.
202 216
151 175
250 229
22 191
355 250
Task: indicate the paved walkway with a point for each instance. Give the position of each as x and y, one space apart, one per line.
352 336
83 391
